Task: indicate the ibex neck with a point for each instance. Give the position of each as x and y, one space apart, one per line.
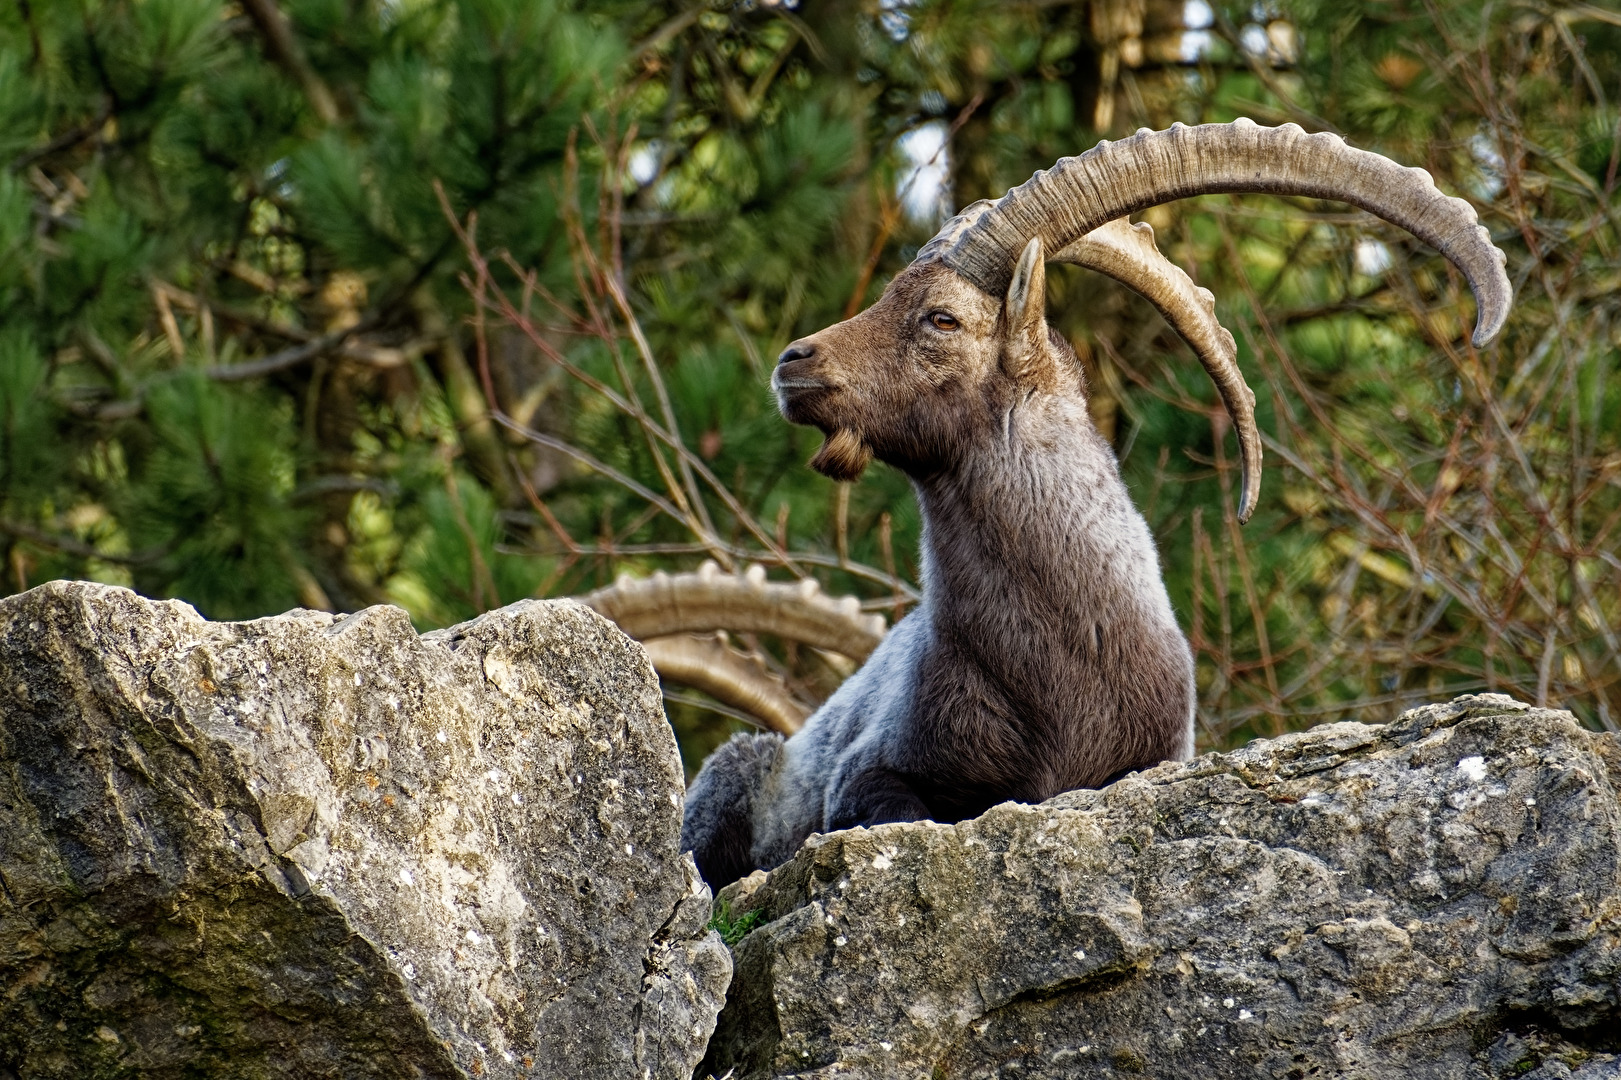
1036 533
1052 658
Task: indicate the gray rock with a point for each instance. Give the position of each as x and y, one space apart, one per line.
1436 898
313 846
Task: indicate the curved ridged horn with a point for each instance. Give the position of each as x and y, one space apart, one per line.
730 677
1112 180
711 599
1127 253
663 612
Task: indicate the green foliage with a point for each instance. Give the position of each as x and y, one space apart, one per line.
733 929
196 208
26 427
210 492
182 198
452 569
1434 504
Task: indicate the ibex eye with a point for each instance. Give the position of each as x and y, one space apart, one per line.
942 321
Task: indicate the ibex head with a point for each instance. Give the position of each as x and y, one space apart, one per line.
960 334
911 377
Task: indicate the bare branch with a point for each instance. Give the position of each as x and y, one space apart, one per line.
284 50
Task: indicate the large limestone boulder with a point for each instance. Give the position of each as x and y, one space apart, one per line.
320 846
1436 898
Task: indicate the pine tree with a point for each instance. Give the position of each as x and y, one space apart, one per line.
230 289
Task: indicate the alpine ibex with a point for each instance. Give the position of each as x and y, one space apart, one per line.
1045 655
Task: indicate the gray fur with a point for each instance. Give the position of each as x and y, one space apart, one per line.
721 835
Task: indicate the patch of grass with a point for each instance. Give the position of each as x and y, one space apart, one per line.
1129 1060
732 929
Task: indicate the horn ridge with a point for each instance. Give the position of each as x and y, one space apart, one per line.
1114 179
1128 254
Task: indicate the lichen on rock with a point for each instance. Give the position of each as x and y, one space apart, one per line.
314 846
1439 897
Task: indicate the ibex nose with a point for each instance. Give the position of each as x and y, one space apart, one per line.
799 350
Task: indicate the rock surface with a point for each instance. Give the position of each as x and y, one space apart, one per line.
1435 898
321 846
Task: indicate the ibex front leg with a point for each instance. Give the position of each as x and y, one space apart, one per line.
868 793
718 825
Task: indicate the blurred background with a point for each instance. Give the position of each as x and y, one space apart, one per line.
448 303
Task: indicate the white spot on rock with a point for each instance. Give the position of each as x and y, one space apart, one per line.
881 862
1473 767
472 937
409 971
405 878
499 671
1080 954
442 737
1245 1014
1226 1003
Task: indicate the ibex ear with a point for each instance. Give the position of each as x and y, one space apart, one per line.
1024 352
